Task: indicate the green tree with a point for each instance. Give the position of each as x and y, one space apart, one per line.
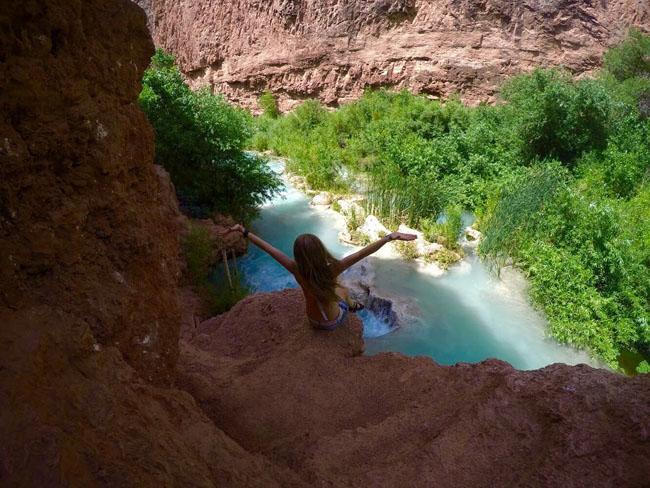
630 58
555 116
200 140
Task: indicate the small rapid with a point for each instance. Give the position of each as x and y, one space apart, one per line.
465 315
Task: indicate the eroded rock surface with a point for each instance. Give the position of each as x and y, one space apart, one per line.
333 49
89 230
86 224
308 400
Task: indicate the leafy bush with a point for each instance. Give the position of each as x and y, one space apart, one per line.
198 250
444 258
631 58
555 116
200 140
221 297
407 249
359 238
643 367
269 105
354 220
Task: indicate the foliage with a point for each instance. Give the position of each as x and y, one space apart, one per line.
198 251
269 105
200 140
631 58
359 238
446 231
643 367
407 249
521 198
221 297
354 220
444 258
558 176
556 117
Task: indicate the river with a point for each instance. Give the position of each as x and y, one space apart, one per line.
465 315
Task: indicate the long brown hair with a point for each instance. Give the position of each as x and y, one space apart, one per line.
315 266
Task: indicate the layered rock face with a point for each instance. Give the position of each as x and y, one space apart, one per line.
333 49
308 400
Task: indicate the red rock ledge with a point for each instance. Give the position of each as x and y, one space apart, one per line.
309 400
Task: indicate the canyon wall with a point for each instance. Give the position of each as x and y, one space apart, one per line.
86 223
334 49
89 309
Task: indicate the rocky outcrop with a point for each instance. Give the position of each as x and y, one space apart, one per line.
89 315
333 49
222 239
87 226
308 400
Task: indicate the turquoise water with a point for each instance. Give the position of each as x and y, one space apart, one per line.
466 315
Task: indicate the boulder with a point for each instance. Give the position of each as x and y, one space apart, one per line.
373 228
382 308
322 199
471 234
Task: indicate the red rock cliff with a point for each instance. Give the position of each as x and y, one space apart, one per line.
86 223
89 316
333 49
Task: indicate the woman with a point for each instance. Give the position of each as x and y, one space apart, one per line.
316 271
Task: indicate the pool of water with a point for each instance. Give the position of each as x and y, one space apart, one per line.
467 314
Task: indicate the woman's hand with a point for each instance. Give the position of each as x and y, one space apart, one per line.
237 228
401 236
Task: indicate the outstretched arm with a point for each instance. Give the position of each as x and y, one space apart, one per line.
275 253
354 258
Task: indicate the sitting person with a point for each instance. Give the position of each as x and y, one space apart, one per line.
316 271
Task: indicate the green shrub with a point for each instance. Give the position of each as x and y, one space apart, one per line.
198 250
354 220
446 232
359 238
444 258
200 140
555 116
643 367
269 105
221 297
407 249
631 58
